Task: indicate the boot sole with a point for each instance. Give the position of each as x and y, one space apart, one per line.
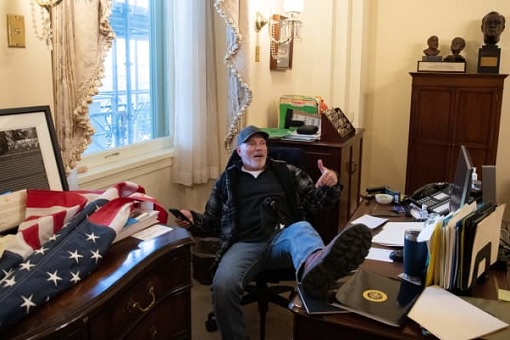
346 254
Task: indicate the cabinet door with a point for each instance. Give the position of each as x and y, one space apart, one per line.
351 170
477 124
429 135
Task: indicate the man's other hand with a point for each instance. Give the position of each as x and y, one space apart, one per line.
328 176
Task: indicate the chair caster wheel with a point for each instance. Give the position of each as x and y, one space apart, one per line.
210 323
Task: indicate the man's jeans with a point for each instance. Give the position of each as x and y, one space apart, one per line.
241 263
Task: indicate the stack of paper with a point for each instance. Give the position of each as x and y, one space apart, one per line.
392 234
370 221
449 317
302 138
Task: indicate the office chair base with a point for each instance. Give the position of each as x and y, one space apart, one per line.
210 323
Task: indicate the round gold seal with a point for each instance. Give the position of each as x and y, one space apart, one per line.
375 295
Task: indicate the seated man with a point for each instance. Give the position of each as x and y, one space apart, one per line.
258 207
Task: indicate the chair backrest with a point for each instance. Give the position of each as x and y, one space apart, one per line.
291 155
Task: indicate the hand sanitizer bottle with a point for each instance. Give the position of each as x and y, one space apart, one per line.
424 213
475 183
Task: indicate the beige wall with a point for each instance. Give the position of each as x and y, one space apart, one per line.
357 54
25 73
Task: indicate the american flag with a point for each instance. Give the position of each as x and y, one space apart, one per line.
52 252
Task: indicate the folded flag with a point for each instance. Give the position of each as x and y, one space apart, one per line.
53 252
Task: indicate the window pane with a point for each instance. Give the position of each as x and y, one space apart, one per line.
123 112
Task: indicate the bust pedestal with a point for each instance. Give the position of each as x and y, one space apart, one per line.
488 59
432 58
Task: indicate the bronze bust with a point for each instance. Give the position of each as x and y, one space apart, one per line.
456 47
433 43
493 24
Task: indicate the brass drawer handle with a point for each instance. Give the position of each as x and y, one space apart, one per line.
132 304
353 167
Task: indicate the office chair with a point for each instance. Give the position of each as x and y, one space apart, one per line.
265 288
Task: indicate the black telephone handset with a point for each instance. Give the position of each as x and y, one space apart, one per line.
435 196
429 189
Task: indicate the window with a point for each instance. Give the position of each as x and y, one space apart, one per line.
129 108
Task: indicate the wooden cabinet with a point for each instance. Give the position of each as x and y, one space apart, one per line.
141 290
343 157
449 110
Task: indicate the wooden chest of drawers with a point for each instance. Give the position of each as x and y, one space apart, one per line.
140 291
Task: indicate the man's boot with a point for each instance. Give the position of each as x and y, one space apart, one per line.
342 255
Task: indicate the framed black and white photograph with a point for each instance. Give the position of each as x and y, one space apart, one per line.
29 153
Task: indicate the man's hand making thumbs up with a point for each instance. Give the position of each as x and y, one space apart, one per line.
328 177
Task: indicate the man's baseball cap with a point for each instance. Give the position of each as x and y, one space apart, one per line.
249 131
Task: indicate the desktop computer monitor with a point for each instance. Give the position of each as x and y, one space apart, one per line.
461 187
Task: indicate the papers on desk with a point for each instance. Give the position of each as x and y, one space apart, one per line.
152 232
392 234
301 138
498 309
379 254
449 317
370 221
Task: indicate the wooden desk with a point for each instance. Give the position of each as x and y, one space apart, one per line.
155 274
353 326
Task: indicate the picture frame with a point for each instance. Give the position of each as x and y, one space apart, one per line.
284 50
29 153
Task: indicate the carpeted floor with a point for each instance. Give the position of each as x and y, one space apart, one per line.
278 320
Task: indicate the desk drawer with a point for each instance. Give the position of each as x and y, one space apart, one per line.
142 296
170 320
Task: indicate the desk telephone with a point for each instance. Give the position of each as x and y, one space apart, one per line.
436 196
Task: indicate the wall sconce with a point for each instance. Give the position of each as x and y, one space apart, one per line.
48 3
282 30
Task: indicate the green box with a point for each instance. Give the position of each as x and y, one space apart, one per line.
305 108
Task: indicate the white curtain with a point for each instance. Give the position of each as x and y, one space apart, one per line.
194 93
81 38
239 93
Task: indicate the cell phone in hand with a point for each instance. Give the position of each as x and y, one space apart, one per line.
177 213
